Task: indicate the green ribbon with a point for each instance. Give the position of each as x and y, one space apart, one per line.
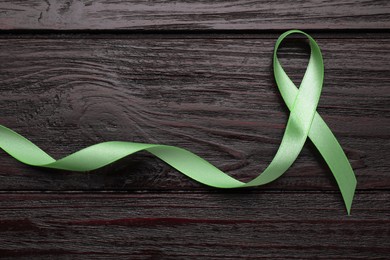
303 122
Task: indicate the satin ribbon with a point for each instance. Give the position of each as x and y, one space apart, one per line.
303 122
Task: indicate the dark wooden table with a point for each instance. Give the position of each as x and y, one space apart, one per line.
196 74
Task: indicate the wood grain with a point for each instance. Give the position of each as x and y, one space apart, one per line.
187 225
196 74
194 15
215 97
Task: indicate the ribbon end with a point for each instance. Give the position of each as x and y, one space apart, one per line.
348 196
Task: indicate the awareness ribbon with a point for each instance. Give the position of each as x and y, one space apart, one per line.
303 122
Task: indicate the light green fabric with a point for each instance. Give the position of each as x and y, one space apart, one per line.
303 122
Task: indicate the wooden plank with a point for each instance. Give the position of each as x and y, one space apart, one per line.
194 15
213 96
204 225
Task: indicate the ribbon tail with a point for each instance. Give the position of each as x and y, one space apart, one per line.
330 149
22 149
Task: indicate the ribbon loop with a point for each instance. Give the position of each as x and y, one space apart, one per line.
319 133
303 122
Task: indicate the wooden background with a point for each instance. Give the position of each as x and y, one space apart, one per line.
196 74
